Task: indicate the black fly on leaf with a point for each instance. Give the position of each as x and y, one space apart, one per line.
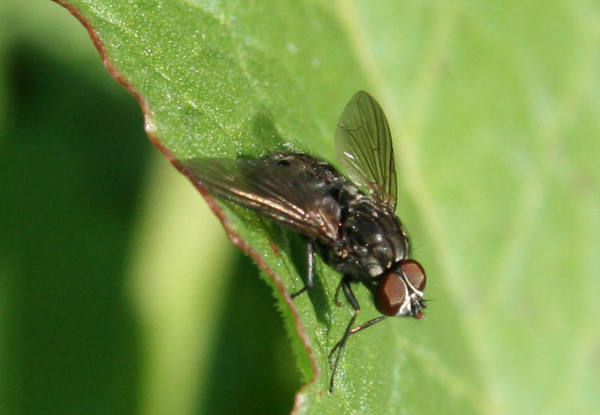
349 221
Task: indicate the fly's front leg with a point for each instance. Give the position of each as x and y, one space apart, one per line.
339 347
310 277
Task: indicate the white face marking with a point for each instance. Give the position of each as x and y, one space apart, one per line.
406 308
416 292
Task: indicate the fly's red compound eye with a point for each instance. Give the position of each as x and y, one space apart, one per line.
390 295
414 273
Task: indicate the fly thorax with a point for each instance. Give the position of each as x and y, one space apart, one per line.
375 236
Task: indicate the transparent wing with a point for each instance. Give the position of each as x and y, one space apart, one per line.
363 146
285 192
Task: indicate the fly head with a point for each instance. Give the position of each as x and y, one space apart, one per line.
400 291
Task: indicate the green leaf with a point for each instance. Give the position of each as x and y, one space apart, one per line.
494 109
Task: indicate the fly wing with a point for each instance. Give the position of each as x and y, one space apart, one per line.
363 146
280 192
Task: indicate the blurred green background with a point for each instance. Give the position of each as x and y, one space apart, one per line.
87 304
119 293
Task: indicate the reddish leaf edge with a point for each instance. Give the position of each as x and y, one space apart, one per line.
300 397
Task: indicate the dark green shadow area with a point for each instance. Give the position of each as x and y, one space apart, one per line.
252 369
73 158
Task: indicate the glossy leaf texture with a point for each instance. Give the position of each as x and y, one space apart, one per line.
494 111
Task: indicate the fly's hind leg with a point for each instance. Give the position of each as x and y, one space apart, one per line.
310 274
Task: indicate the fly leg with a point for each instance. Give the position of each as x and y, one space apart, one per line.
339 347
337 294
310 274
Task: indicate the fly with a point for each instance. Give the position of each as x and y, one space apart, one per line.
349 221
